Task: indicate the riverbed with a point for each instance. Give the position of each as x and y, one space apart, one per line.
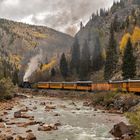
78 122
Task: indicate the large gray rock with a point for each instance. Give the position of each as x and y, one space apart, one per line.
121 129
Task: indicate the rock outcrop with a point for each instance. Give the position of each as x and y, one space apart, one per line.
122 130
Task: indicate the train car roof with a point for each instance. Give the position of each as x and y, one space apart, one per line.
57 82
115 82
69 82
84 82
133 80
124 81
66 82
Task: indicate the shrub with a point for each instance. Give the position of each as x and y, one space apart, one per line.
134 118
7 88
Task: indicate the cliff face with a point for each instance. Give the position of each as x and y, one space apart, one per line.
99 25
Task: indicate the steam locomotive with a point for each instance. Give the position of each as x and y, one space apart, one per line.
26 84
126 86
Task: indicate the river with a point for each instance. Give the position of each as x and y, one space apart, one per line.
77 121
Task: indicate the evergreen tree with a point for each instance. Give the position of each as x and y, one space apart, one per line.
15 79
111 56
97 59
116 24
75 58
127 22
129 62
53 72
81 25
63 66
85 62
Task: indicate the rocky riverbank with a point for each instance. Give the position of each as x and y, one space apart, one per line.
111 102
38 117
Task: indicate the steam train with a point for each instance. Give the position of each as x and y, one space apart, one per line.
126 86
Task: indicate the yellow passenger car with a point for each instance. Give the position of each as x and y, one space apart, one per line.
84 85
117 86
43 85
134 86
56 85
101 87
69 85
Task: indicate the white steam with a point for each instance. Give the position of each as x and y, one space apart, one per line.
33 65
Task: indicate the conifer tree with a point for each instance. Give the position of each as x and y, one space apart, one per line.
75 58
15 79
97 59
116 24
63 66
129 62
53 72
85 62
111 56
127 22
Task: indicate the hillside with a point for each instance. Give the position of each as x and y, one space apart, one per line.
22 41
99 25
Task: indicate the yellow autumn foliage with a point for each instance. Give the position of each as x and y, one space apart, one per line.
15 59
49 65
124 41
135 37
39 35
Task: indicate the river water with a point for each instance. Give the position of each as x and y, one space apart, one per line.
77 121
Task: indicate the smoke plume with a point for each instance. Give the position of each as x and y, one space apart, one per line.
33 65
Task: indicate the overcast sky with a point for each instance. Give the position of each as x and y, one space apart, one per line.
62 15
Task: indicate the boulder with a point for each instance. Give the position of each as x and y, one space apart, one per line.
57 124
87 104
72 103
28 131
9 138
2 125
31 136
9 108
43 103
122 129
63 106
47 127
5 137
50 107
1 120
34 108
27 116
25 109
126 137
19 138
10 123
5 113
56 114
25 124
17 114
